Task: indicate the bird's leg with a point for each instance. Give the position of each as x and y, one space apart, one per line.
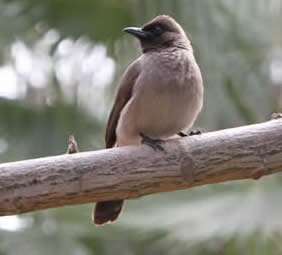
155 144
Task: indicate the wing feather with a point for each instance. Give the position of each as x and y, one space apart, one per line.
123 95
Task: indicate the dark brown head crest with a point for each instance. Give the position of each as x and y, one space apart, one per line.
166 21
161 32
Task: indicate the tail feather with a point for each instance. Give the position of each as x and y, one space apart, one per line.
106 211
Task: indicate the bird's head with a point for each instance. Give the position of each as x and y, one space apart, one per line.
161 32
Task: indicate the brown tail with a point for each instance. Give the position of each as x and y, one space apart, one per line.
106 211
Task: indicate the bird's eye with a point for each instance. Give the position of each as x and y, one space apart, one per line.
157 29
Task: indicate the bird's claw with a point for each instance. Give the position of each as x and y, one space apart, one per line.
182 134
195 132
155 144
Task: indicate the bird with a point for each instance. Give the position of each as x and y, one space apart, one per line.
159 95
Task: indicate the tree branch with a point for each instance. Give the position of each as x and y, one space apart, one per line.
130 172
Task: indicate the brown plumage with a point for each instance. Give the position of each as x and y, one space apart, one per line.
160 94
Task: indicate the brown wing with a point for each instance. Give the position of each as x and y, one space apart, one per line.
122 97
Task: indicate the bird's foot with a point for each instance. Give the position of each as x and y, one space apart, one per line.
182 134
195 132
155 144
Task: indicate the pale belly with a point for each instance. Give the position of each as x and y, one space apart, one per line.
161 115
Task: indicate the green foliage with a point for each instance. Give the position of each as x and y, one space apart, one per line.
75 18
31 132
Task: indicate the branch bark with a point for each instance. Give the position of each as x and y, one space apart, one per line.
130 172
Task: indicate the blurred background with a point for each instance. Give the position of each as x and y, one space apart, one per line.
60 63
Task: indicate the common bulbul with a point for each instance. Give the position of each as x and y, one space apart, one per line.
159 95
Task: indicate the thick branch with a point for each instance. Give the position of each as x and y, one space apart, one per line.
130 172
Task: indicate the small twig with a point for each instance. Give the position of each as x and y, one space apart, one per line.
72 147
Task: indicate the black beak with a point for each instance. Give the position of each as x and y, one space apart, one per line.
138 32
